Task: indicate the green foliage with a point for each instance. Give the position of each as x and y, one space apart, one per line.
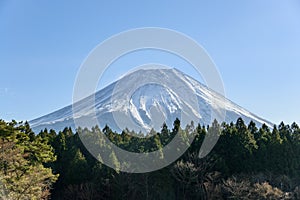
268 158
241 149
22 155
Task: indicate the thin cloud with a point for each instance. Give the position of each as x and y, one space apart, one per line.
5 91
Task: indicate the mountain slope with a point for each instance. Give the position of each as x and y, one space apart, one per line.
144 99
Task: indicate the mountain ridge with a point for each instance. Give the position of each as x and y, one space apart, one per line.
149 103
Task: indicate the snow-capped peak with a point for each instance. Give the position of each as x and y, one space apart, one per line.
145 99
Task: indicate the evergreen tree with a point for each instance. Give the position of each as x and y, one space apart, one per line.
22 156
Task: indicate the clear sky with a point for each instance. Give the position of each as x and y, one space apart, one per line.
255 45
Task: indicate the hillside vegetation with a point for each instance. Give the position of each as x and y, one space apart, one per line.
248 162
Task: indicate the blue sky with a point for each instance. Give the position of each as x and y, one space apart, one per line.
255 45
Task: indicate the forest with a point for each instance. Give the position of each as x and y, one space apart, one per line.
248 162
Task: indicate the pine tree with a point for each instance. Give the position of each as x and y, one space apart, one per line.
21 159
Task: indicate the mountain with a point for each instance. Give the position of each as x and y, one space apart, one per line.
146 98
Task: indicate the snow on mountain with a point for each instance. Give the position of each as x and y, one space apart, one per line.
144 99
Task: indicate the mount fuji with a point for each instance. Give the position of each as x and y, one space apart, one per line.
145 99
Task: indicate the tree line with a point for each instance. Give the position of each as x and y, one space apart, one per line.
248 162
